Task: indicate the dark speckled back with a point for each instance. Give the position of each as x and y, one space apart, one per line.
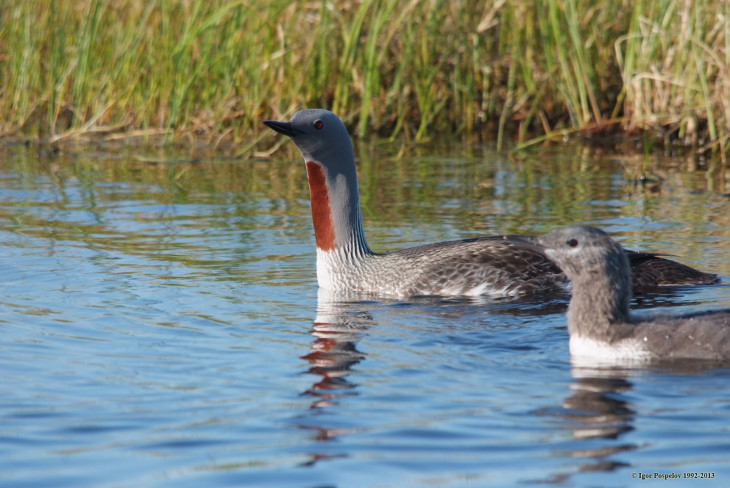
651 271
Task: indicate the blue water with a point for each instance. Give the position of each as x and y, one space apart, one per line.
161 326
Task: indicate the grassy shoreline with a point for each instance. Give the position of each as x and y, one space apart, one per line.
518 72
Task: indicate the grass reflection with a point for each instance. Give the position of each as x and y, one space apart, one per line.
229 213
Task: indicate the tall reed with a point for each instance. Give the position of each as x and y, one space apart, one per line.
415 69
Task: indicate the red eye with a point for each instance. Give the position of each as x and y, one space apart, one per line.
318 124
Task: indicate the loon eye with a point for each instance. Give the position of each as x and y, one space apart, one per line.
318 124
572 243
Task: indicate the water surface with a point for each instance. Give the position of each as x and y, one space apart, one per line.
161 326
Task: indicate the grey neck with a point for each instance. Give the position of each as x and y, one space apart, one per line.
346 214
601 294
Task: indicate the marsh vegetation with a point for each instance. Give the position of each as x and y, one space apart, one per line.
517 72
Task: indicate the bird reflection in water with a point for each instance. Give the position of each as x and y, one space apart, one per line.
597 409
599 414
339 324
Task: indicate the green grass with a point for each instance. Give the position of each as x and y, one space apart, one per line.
519 72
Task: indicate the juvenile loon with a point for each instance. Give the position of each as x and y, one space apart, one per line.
600 325
496 266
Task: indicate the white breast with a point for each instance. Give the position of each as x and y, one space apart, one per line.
590 351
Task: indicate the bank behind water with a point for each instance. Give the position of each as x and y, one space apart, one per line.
210 71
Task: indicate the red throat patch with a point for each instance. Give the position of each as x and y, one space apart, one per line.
324 231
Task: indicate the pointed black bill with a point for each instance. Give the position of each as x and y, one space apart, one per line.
282 127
